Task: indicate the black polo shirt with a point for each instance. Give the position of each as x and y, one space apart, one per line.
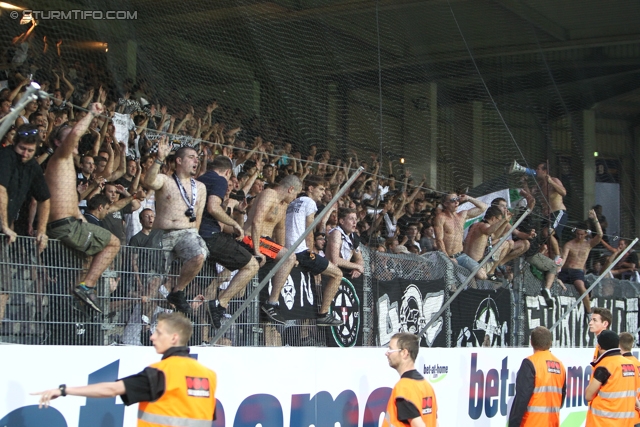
20 180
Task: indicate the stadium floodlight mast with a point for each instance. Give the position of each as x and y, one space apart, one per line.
595 283
473 274
30 94
290 251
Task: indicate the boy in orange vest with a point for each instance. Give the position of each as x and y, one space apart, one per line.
176 389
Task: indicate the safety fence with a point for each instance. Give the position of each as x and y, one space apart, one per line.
396 293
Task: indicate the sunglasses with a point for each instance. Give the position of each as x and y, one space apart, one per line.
454 199
28 132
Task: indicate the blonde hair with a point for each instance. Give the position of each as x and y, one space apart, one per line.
177 323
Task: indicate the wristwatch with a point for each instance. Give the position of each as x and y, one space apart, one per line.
63 389
158 162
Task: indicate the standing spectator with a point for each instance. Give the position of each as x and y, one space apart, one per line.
540 385
118 208
600 320
612 390
21 175
575 253
97 208
412 401
180 226
449 224
343 247
428 239
300 214
130 173
161 389
65 220
223 247
149 238
319 242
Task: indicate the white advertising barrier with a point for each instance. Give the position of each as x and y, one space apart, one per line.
278 387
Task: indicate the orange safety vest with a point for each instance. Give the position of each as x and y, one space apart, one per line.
636 363
188 399
614 405
418 392
544 406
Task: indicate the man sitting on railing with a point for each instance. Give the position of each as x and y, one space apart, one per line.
180 201
478 243
66 223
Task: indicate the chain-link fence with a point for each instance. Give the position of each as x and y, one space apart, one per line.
400 292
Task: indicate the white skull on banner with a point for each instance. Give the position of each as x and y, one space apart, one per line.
289 292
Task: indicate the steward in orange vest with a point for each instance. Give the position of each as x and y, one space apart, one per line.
540 385
611 392
412 397
178 390
626 344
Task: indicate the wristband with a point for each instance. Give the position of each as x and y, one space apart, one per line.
63 389
158 162
50 151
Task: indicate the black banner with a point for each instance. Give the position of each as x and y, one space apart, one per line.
480 318
348 304
298 298
573 331
406 306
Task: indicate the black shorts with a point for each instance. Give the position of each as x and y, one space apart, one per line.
557 222
313 263
227 251
570 275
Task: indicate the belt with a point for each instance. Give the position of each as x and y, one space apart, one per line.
456 255
61 222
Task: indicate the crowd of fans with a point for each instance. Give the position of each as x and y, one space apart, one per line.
205 183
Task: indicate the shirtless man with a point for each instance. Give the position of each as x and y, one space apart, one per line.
66 223
549 193
449 227
180 201
266 219
476 243
575 253
342 246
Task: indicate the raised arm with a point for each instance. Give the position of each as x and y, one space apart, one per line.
480 207
70 143
152 179
595 240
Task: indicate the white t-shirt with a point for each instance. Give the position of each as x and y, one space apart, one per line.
296 222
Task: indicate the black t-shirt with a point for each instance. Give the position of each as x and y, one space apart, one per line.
148 261
21 179
216 186
114 222
526 226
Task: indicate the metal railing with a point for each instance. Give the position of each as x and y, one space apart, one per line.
36 305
